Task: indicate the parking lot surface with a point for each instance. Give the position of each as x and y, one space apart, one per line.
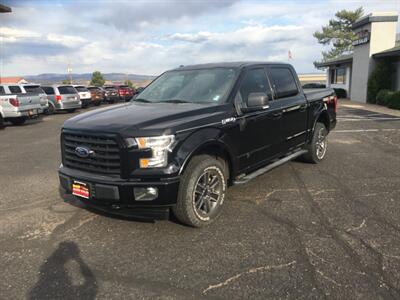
301 231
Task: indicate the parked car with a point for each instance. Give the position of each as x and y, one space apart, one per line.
125 92
62 98
17 105
192 132
111 94
139 90
314 85
96 94
84 95
36 88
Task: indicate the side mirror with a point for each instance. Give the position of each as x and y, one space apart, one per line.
256 101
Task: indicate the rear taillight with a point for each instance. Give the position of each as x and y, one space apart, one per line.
14 102
58 98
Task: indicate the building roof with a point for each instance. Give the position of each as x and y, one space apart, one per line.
343 59
395 51
12 79
375 17
4 8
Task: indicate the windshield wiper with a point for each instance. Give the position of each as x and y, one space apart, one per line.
175 101
142 100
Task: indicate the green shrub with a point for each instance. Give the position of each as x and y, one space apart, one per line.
380 97
340 93
392 100
379 80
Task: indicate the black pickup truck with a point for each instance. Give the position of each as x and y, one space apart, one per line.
190 134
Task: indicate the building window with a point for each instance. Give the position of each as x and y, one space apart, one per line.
338 75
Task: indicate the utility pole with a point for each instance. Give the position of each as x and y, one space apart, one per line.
69 70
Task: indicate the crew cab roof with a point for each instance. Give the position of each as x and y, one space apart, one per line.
238 64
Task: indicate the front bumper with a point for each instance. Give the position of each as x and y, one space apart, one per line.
115 195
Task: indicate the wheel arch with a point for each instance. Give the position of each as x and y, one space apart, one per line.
213 147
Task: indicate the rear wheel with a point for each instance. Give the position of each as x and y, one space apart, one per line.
50 110
316 150
202 191
1 122
18 121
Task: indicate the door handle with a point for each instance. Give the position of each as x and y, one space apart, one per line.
277 115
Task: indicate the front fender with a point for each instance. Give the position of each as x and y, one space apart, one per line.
202 139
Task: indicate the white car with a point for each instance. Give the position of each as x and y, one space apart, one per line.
84 95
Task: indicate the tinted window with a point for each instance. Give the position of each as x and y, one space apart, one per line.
48 90
2 91
81 89
66 90
255 81
14 89
33 89
283 82
93 88
110 88
199 86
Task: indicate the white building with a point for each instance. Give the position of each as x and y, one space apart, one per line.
376 40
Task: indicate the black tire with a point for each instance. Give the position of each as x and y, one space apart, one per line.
50 110
71 110
193 200
18 121
2 126
318 143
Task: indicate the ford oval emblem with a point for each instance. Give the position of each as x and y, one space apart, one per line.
83 152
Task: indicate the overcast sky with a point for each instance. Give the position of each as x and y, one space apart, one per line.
148 37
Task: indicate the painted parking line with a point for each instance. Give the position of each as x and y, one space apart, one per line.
364 130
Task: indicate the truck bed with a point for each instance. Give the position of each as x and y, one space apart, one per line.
318 94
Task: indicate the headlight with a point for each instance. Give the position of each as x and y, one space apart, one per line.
160 145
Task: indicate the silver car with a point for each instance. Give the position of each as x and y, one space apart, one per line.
62 97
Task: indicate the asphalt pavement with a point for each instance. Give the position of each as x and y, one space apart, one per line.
301 231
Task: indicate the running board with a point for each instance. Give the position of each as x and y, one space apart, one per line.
269 167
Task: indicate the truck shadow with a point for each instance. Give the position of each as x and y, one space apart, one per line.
56 282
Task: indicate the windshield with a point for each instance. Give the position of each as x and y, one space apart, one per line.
197 86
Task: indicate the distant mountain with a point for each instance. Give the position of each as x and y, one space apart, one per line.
81 78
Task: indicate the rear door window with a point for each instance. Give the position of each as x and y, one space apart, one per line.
283 82
2 91
15 89
66 90
48 90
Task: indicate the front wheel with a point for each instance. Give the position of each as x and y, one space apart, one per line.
202 191
316 150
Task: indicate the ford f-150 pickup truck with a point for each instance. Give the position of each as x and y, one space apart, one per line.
190 134
17 105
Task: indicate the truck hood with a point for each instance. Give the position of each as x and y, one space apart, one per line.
141 119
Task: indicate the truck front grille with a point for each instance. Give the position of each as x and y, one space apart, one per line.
104 160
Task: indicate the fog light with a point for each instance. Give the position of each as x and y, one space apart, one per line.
145 194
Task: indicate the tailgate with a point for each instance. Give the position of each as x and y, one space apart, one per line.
29 101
